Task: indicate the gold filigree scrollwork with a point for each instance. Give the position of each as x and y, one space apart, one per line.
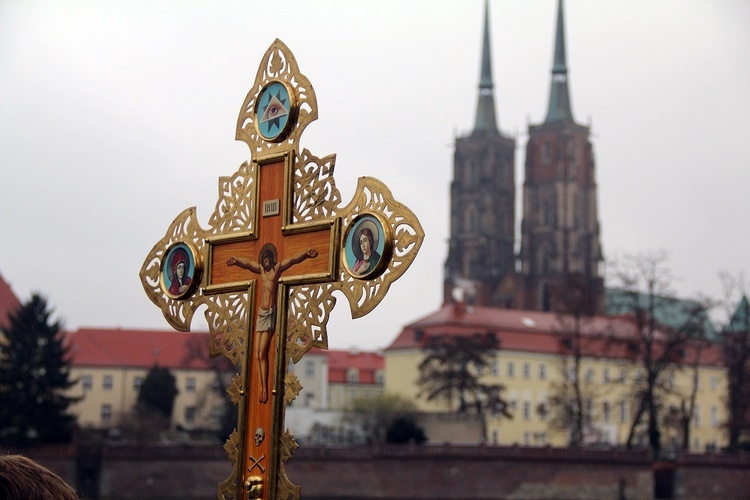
315 193
278 64
285 488
228 487
372 196
292 388
179 313
227 322
310 307
235 210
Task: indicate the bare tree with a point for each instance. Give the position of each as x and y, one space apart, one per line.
736 337
569 401
664 329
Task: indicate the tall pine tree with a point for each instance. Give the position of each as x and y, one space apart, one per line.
34 375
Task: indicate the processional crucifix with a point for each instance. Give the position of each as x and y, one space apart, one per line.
277 247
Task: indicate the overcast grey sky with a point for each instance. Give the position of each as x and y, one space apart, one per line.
115 116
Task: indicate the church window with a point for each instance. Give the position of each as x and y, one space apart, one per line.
546 152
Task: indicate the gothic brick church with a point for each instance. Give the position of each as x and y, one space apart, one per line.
559 248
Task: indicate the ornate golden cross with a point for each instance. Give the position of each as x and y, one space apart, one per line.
277 247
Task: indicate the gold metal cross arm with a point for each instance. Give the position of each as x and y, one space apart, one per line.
277 246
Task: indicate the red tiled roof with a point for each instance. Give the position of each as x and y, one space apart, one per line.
9 303
529 331
138 348
339 362
367 363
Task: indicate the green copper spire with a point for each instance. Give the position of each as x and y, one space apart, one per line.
559 99
486 104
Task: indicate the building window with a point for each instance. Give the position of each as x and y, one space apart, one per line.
106 413
605 412
352 375
107 383
543 371
697 416
87 382
589 376
714 382
714 416
190 384
190 414
310 369
526 410
480 370
526 370
527 438
623 375
605 375
379 377
495 367
511 369
309 399
623 412
137 383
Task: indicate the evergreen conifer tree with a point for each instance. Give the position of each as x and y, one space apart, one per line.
158 391
34 375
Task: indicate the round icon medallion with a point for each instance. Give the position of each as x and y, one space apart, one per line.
274 111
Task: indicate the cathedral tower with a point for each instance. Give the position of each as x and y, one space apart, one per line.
560 247
481 249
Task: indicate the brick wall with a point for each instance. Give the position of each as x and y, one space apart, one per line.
409 472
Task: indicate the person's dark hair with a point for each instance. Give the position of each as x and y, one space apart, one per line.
267 253
23 479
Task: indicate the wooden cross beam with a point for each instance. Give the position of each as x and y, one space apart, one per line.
278 245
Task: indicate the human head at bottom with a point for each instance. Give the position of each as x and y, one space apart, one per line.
23 479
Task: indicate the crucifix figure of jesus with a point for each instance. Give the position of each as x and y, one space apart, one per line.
270 271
